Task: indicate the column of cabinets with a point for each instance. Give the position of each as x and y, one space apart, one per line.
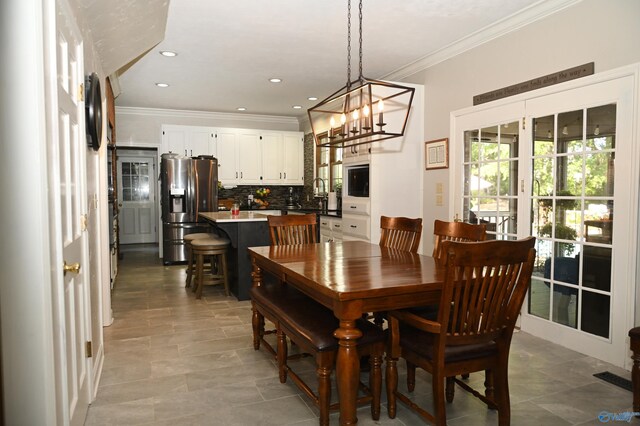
245 156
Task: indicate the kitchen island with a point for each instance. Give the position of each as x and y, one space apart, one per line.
247 229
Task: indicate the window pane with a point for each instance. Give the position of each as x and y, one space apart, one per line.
539 298
508 140
596 268
542 176
599 168
471 146
565 305
570 131
543 132
508 178
487 184
598 221
569 175
601 127
489 138
596 313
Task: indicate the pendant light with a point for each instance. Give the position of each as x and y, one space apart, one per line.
362 111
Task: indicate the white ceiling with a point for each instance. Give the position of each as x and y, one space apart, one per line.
227 50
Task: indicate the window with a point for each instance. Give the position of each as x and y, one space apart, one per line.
329 166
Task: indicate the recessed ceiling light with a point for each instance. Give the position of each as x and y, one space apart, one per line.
162 85
168 53
296 107
312 98
275 80
241 109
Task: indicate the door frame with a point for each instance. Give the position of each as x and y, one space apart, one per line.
632 295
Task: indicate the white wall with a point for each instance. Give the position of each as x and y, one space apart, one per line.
604 32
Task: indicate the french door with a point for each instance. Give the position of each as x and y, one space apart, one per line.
560 167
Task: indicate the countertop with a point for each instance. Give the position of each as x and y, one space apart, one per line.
226 216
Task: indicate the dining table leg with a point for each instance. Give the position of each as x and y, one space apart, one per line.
348 370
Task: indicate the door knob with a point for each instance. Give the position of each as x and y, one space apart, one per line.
71 267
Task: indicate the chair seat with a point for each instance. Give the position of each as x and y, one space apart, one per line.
198 235
422 343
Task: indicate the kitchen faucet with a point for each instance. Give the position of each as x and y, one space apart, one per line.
324 196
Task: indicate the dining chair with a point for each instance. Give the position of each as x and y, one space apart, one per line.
400 233
283 230
455 231
310 326
485 286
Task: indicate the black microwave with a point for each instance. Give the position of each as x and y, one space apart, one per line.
358 181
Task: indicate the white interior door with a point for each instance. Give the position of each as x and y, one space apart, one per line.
67 179
137 197
558 167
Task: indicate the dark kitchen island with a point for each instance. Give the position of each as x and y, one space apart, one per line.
248 229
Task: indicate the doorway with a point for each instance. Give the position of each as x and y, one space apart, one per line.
137 196
555 166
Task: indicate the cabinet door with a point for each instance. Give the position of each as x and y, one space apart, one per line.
249 158
174 139
293 158
227 161
272 158
198 142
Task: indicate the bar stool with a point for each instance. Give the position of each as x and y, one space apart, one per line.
216 247
191 267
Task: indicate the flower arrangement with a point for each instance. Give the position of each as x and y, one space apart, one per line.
261 197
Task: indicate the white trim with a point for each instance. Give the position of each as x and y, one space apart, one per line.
181 113
529 15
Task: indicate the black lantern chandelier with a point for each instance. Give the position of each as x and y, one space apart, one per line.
364 110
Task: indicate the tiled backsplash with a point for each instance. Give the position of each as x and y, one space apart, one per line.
279 194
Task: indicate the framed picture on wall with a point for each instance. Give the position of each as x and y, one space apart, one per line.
436 154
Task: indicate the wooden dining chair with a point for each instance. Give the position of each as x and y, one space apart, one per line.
283 230
310 326
455 231
400 233
485 286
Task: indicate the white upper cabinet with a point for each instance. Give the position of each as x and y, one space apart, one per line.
245 156
226 146
283 158
272 158
293 167
249 157
189 141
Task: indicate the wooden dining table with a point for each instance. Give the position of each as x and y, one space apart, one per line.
351 278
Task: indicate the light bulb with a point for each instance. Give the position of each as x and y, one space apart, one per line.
380 106
549 134
365 110
343 118
355 114
597 130
332 122
565 131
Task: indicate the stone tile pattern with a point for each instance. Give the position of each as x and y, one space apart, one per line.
173 360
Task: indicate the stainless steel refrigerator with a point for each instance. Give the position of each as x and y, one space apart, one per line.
188 186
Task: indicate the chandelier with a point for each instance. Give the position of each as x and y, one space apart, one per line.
364 110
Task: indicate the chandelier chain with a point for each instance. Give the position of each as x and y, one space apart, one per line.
360 54
349 43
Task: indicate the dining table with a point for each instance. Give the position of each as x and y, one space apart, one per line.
351 278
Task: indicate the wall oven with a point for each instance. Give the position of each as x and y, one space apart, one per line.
357 180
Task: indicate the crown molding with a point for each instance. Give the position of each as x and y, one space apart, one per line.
506 25
180 113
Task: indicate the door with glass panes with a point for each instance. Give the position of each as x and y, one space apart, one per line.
559 172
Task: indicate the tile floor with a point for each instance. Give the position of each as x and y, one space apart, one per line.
173 360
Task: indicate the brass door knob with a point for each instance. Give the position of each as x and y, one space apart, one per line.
71 267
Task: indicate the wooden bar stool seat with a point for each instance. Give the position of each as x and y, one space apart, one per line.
216 247
191 266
